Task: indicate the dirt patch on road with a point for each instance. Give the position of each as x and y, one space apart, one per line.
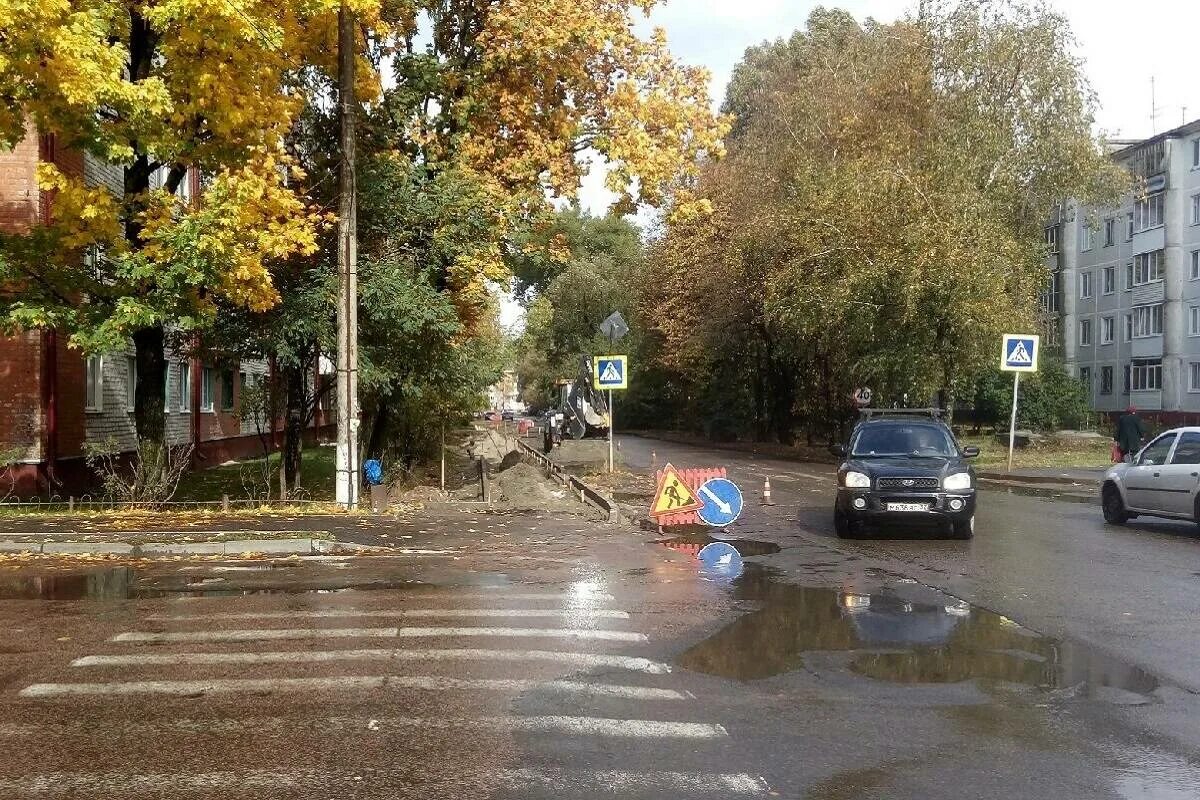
525 486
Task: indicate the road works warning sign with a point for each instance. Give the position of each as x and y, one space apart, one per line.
674 496
1020 353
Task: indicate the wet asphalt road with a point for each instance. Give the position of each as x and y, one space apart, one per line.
539 656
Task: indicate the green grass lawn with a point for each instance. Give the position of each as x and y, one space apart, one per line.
316 478
1050 454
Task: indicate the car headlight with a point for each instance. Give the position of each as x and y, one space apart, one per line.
957 482
856 480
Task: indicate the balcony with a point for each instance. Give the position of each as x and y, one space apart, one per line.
1148 347
1148 293
1146 400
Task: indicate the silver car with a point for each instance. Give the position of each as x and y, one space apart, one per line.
1162 480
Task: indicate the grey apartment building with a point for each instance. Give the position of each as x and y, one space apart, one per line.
1123 300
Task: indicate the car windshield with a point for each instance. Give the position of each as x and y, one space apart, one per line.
903 439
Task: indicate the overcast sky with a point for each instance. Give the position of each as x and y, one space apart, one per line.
1124 45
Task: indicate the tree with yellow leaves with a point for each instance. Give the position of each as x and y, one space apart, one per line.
164 90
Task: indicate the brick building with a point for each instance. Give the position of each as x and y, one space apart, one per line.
54 399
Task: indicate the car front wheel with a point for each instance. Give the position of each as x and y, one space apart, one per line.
845 527
964 529
1114 506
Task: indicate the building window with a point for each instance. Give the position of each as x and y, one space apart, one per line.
1129 327
1148 321
166 387
1196 209
1129 227
1108 330
1147 268
1147 375
1106 382
1052 238
1110 232
1148 213
185 386
93 399
130 382
1087 237
1085 377
227 390
207 388
1127 384
1129 276
1194 377
1109 281
1196 153
1085 332
1050 297
1194 321
1085 285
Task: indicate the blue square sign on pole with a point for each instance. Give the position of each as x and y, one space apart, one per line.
1020 353
611 372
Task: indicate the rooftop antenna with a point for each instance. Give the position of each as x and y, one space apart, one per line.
1153 109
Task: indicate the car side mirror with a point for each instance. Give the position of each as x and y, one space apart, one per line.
970 452
838 450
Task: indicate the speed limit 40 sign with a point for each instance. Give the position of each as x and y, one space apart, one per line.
863 396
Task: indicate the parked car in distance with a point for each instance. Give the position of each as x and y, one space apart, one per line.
1162 481
904 466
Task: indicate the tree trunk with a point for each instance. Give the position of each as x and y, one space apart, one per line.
150 391
380 427
294 430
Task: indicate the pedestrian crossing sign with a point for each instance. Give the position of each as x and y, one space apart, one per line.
610 372
1019 353
674 496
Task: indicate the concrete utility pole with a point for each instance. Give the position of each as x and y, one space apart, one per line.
346 490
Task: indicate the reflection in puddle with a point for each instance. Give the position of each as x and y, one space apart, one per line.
693 542
101 584
1153 775
908 634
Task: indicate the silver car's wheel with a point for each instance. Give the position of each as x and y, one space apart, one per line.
1113 505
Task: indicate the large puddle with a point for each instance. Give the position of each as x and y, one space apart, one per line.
902 634
694 541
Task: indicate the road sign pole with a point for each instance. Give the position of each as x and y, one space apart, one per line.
612 423
1012 423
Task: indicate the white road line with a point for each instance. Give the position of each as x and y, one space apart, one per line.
347 683
567 783
265 634
582 660
491 593
415 613
574 726
253 635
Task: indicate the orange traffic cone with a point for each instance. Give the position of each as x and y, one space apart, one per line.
766 496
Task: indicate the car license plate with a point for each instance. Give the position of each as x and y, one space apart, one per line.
907 506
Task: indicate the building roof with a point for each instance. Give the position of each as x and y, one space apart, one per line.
1128 145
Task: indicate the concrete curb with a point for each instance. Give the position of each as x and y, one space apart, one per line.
1057 480
587 494
168 549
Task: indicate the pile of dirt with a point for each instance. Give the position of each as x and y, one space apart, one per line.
490 445
525 486
583 456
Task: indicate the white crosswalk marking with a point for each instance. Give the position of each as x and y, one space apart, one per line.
562 782
415 613
578 726
581 660
595 716
265 634
347 683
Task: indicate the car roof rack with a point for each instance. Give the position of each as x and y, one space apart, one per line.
934 413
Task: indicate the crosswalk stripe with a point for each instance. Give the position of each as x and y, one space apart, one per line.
582 660
568 725
432 613
347 683
490 593
264 634
589 783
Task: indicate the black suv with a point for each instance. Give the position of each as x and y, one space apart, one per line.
906 467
